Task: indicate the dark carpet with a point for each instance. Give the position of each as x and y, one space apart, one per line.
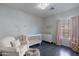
47 49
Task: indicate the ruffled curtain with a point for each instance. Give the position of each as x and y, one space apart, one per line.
68 30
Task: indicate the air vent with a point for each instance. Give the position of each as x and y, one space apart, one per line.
52 8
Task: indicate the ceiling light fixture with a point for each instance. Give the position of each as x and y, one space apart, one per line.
43 5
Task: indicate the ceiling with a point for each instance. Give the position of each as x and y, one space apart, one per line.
32 9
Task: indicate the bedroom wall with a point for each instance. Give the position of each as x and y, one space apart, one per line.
51 22
14 22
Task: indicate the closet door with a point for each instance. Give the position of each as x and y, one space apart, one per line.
67 33
64 32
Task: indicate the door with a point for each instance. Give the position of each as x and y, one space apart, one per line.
64 32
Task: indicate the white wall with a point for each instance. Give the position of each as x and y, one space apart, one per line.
50 26
52 21
14 22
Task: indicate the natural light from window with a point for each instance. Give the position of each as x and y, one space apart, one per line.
64 53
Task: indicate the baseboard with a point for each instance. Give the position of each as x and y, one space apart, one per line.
49 42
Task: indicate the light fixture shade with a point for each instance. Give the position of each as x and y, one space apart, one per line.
43 5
